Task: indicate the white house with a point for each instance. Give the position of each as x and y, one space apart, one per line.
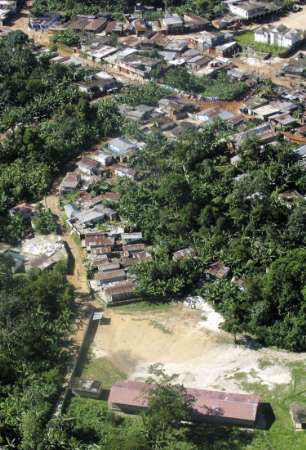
246 10
280 36
104 158
250 9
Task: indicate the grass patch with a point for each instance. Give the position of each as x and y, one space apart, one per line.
103 370
264 363
143 306
238 376
76 239
247 39
160 326
281 435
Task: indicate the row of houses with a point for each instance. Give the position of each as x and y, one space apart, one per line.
168 23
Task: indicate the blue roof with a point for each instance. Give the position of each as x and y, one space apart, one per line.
71 211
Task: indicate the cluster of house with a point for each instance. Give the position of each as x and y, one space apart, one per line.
136 45
110 250
137 56
295 68
111 254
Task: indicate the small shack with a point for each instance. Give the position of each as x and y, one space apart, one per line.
298 414
86 388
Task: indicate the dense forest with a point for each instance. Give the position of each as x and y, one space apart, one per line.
189 194
70 8
37 316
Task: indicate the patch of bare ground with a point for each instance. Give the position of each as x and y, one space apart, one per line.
178 339
294 20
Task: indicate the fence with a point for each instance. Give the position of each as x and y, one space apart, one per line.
88 337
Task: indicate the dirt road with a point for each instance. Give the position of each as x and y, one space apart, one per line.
79 277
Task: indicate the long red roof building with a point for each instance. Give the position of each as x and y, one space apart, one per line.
216 406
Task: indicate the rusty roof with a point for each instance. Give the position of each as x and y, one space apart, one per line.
109 275
120 287
98 240
92 201
101 251
89 162
206 402
113 196
77 24
218 270
95 24
110 27
133 247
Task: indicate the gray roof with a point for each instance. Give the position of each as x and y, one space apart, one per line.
173 20
97 213
301 151
122 145
71 211
177 46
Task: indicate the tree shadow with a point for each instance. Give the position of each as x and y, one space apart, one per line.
249 342
70 261
265 417
213 437
84 356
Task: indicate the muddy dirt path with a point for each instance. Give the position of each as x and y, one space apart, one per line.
79 277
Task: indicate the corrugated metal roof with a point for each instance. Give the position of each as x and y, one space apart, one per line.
206 403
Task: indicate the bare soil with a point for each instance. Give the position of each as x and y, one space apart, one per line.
267 69
294 20
178 339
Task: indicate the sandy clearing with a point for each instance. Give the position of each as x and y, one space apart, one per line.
294 20
179 340
39 37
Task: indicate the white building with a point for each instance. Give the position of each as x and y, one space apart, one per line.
247 10
280 36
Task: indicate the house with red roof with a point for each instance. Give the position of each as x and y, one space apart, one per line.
209 406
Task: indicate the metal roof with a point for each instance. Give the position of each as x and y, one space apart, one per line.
206 403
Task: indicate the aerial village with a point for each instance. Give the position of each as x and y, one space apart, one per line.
127 52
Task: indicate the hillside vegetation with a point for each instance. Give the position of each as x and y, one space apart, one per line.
190 195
